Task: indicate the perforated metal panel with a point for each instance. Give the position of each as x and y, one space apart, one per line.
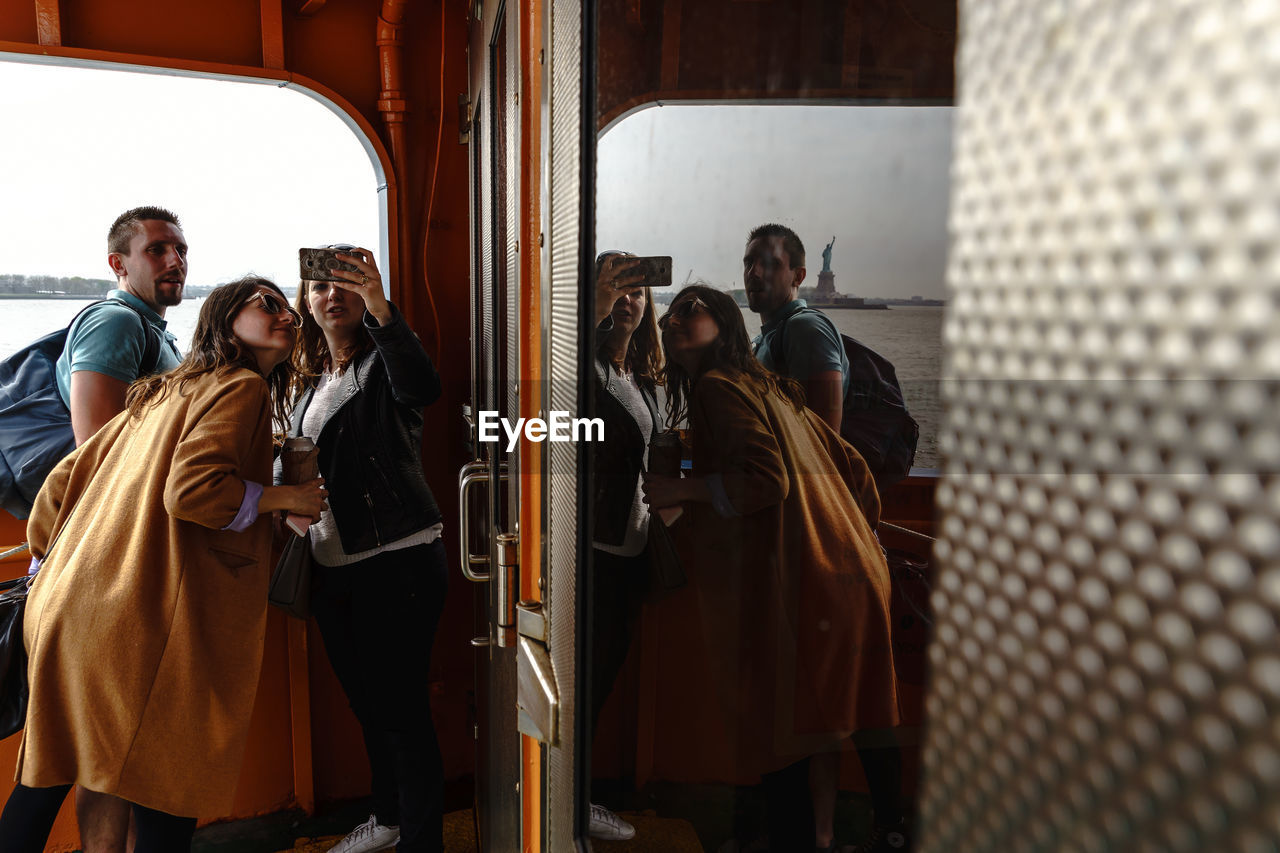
1106 672
561 216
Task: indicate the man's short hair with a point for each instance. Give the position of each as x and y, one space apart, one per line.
127 224
790 240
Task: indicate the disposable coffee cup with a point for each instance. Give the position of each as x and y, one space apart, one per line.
299 461
665 452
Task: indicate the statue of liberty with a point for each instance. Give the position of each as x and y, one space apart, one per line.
826 256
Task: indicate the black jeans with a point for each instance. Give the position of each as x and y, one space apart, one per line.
378 618
29 814
789 809
618 586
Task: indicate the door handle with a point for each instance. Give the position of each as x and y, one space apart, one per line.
472 473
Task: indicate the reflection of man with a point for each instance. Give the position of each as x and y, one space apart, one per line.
107 343
802 344
108 346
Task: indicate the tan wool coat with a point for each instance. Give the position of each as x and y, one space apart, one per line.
794 591
145 625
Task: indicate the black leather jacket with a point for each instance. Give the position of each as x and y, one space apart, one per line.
618 459
371 443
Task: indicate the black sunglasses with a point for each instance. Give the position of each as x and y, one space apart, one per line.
683 311
275 306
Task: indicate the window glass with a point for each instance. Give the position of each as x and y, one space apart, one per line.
254 171
691 181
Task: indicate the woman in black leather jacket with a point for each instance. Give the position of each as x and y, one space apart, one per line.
628 360
379 578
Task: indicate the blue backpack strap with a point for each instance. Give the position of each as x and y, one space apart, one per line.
874 417
151 336
150 349
779 352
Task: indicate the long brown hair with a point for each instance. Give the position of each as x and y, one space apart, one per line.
216 349
312 352
731 351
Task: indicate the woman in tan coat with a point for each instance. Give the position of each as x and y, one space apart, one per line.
777 532
145 622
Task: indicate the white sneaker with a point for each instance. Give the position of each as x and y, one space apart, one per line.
607 826
368 837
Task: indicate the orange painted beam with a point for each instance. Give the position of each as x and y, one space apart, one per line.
272 34
48 23
532 65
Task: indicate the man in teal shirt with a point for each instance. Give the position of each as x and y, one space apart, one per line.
104 352
794 340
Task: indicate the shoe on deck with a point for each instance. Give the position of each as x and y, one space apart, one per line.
887 838
607 826
368 837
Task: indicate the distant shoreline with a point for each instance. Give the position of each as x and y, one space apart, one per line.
81 297
71 296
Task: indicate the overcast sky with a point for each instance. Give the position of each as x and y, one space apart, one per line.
691 182
253 171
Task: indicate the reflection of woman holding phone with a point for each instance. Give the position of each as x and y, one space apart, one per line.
146 619
379 577
628 360
778 535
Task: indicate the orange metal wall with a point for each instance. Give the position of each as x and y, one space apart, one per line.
672 50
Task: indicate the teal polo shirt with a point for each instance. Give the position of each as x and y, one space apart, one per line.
810 342
106 338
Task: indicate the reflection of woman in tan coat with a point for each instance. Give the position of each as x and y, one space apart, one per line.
145 623
776 531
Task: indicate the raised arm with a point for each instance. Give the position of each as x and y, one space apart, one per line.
414 379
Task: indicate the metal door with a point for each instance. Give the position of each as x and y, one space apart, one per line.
488 499
528 788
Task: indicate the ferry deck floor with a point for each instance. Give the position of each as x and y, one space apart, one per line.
669 819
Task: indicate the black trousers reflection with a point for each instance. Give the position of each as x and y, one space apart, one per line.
789 808
618 587
378 618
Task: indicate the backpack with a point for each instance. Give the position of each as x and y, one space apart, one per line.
35 425
875 418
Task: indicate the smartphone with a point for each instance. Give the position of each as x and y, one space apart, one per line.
319 264
656 270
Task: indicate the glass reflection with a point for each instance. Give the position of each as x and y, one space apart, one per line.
763 676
